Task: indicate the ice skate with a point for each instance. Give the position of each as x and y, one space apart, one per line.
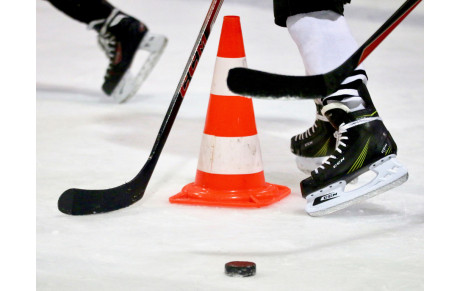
363 145
122 37
314 145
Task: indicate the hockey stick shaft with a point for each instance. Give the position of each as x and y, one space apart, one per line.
369 46
82 201
333 79
255 83
184 83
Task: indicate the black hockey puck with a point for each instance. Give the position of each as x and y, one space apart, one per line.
240 269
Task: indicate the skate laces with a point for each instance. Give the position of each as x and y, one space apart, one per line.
340 137
307 133
312 129
107 42
106 39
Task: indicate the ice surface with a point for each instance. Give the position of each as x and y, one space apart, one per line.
85 140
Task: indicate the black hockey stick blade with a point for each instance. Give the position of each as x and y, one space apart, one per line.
249 82
81 201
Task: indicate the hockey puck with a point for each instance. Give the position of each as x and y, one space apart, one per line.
240 269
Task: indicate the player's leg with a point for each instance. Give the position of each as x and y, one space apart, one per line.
362 141
121 36
317 142
84 10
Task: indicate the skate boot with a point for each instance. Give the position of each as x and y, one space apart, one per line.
363 145
314 146
121 37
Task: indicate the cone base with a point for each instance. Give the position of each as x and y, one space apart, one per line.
258 197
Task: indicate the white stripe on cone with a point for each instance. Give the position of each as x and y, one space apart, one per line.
221 68
230 155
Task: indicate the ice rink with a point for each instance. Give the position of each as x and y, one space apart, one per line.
85 140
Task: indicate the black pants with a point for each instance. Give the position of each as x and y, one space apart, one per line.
285 8
84 10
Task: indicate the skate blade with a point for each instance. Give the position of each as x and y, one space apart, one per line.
130 84
153 43
390 174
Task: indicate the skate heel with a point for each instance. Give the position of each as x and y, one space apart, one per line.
153 43
389 174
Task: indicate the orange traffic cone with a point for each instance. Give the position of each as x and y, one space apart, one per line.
230 170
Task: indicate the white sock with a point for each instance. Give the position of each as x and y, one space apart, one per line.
324 41
323 38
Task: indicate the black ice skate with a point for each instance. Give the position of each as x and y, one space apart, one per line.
314 146
121 37
363 145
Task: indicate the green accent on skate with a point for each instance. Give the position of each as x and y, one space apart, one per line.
360 160
323 150
367 115
388 151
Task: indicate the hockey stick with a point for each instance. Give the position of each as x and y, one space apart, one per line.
80 201
248 82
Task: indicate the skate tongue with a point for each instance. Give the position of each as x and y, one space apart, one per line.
96 25
337 114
